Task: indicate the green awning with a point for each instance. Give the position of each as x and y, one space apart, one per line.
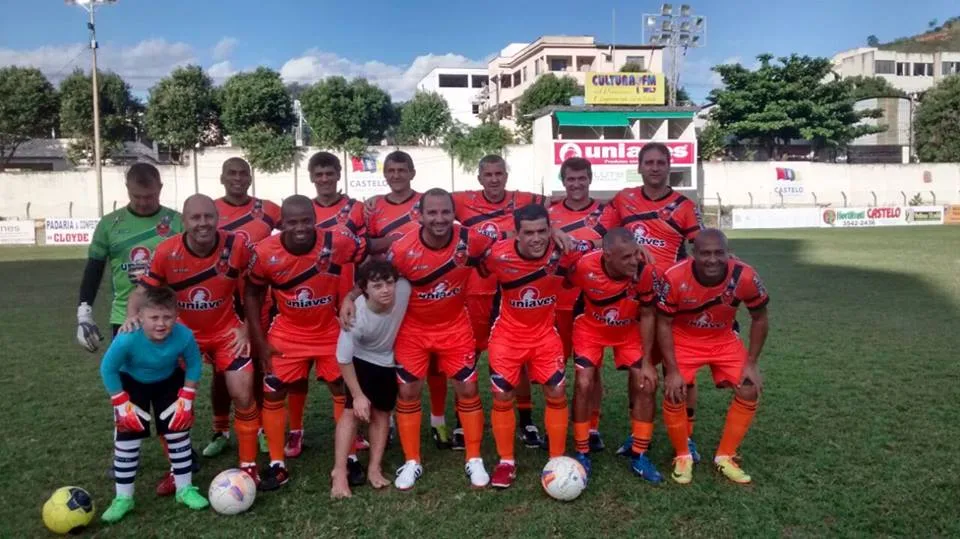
604 118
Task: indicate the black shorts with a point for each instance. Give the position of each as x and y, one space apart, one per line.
378 383
156 396
116 329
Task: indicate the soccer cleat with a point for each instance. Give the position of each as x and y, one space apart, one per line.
458 442
407 475
361 443
693 451
596 442
683 470
275 477
643 468
584 460
119 507
191 497
477 473
531 437
503 475
251 470
729 468
441 436
167 486
355 474
216 446
294 445
626 449
262 440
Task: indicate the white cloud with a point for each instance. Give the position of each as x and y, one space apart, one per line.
221 71
400 81
224 48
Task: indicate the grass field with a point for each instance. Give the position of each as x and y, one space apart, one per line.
856 435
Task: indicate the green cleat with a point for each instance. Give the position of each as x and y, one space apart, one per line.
729 468
191 497
216 446
262 440
119 507
441 436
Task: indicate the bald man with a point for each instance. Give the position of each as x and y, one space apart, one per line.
204 266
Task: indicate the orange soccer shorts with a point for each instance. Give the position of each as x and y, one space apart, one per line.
295 358
508 354
480 308
565 329
452 352
218 351
589 345
726 360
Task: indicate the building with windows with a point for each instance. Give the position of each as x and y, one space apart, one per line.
459 87
520 64
911 72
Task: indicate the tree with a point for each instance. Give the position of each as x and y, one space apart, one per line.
873 41
788 100
28 109
347 115
119 114
710 142
683 98
467 145
547 90
258 114
631 67
424 119
937 122
182 111
870 87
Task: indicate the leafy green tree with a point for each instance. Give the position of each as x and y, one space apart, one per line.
546 91
869 87
119 114
710 142
937 123
873 41
347 115
28 109
631 67
257 111
424 119
182 111
468 144
787 100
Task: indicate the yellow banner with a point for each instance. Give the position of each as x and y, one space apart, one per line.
952 215
603 88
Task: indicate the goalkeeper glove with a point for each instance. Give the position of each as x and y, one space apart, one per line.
88 334
128 416
181 411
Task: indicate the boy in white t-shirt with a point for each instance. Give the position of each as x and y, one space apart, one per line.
365 355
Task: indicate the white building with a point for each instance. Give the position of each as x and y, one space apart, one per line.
459 87
520 64
911 72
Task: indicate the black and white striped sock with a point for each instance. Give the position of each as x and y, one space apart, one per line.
126 459
181 458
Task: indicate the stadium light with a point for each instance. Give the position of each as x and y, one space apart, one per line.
91 6
675 33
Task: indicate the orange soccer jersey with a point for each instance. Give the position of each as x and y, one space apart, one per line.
436 322
390 218
660 225
252 221
611 311
346 212
703 317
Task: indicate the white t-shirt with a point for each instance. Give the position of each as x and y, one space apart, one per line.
373 334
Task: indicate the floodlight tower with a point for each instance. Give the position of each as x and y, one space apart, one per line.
91 7
676 32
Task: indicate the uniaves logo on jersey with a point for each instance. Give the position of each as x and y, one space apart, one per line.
611 317
163 227
530 299
200 300
640 236
304 299
138 264
489 230
441 290
705 321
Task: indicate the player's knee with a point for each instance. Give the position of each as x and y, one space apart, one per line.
410 391
748 393
558 391
585 381
244 400
503 395
466 390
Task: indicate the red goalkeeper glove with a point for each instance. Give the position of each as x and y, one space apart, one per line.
126 415
181 411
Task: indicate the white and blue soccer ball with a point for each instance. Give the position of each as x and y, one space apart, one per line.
563 478
231 492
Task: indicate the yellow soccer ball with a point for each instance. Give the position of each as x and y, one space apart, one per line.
68 510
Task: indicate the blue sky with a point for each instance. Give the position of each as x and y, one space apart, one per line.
396 42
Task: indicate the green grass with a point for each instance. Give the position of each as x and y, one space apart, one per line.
856 435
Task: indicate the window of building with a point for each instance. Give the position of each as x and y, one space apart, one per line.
921 69
516 78
559 64
949 68
638 60
884 67
903 69
536 67
475 108
453 81
505 80
479 81
524 73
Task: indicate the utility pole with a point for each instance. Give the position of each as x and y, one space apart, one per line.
676 33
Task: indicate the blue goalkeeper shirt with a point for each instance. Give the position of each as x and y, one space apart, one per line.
147 361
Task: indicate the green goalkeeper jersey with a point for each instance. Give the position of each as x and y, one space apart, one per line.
129 241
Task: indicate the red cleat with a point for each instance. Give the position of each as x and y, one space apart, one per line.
361 443
294 445
167 486
503 475
251 470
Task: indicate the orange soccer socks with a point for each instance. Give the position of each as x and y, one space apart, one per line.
739 417
408 425
675 419
274 418
504 428
642 432
581 436
247 424
297 402
470 412
438 397
556 420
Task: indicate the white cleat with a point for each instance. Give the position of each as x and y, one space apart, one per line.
407 475
477 473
